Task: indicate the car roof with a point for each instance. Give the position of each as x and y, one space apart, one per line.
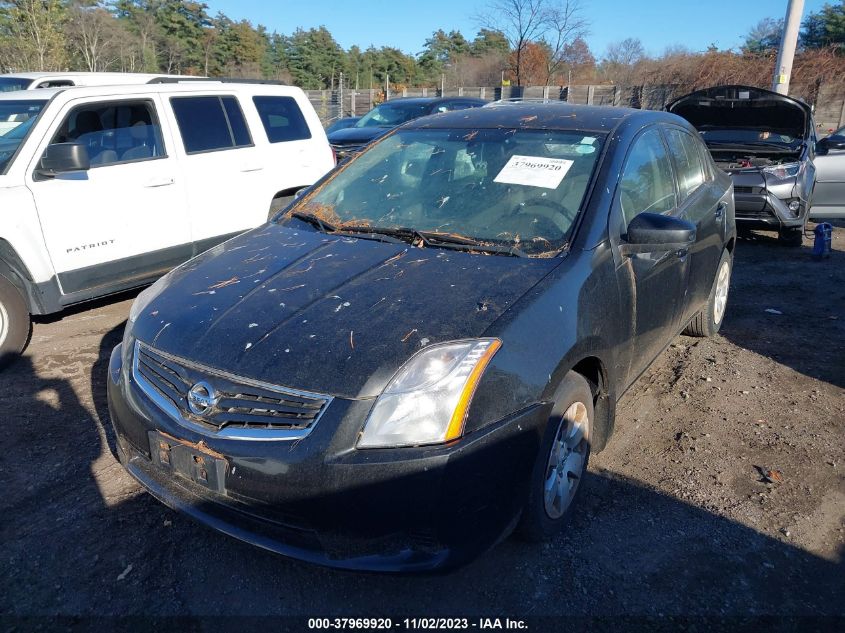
87 75
542 116
115 90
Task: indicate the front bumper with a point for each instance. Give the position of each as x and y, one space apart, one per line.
764 205
323 501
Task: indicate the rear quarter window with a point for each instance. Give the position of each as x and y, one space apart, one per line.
210 123
282 119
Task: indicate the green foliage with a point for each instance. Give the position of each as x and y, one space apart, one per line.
764 36
825 28
31 34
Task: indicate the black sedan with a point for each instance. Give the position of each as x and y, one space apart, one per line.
419 355
390 114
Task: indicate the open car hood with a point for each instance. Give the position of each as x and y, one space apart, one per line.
744 107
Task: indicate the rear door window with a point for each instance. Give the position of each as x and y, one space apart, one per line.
647 183
282 119
687 157
210 123
114 132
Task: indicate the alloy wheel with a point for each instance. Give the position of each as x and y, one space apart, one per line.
723 283
566 460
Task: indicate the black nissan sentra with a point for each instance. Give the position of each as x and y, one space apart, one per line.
418 355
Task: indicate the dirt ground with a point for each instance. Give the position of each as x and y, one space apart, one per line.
676 517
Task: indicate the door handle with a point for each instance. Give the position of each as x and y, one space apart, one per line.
159 182
720 209
249 168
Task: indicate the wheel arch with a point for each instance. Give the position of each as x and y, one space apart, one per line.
595 372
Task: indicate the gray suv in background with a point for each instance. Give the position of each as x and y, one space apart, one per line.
766 142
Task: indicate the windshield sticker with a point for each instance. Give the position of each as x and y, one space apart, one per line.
534 171
588 140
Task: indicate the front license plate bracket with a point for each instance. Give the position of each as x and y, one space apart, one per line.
195 465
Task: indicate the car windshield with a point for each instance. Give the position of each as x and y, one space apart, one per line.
515 189
13 84
392 114
739 136
16 118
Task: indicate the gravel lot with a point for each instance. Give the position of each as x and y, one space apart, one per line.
676 518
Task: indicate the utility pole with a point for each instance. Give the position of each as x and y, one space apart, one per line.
788 42
340 85
386 86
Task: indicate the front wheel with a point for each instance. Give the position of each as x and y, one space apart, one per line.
709 320
562 461
15 324
791 237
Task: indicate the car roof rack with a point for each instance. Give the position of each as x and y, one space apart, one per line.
221 80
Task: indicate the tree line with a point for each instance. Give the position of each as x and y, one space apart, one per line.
523 42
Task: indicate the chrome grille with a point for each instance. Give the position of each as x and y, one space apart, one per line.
241 408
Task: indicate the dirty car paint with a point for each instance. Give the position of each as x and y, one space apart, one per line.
332 314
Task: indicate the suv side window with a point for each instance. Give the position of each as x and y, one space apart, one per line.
687 159
114 132
210 123
647 183
282 119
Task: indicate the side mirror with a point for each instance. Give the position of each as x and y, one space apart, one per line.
831 142
62 157
651 232
300 192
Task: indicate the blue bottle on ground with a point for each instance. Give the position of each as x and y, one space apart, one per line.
823 241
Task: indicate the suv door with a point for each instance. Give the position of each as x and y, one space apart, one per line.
829 195
656 281
122 222
700 204
222 167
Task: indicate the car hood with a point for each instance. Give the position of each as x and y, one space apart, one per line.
744 107
357 135
325 313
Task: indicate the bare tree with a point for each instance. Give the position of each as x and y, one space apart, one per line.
93 33
564 25
621 58
523 22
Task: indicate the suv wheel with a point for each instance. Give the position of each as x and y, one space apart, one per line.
15 325
791 236
709 320
562 461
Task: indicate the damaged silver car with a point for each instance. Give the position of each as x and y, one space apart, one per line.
766 142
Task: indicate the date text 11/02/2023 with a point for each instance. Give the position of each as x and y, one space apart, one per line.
417 624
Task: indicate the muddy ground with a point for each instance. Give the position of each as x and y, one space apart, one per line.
676 518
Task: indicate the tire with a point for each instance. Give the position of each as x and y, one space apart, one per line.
15 324
572 417
792 237
709 320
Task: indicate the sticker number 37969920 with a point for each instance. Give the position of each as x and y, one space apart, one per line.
534 171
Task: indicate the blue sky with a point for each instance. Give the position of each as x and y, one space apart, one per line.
406 24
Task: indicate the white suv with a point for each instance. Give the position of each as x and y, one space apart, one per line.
107 188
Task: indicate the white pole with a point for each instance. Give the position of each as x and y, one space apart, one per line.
788 42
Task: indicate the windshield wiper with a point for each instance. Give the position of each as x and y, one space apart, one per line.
358 232
433 239
313 220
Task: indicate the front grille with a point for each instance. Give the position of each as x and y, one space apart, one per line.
238 407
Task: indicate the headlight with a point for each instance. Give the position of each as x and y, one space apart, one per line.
786 170
426 402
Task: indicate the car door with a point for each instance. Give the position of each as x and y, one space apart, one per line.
221 165
829 194
700 202
655 281
123 221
